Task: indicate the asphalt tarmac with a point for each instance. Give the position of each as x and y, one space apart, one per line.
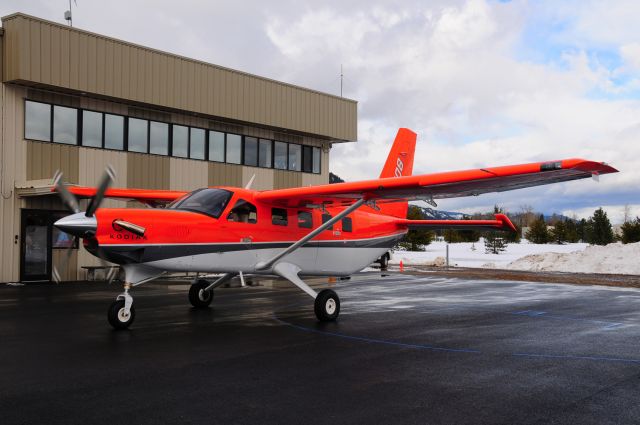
406 349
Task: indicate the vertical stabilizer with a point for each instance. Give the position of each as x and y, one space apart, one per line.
399 163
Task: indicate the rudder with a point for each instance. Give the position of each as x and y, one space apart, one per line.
399 163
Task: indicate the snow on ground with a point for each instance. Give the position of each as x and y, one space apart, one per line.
576 257
464 254
615 258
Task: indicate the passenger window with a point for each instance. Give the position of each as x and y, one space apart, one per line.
347 225
279 216
305 219
325 218
243 212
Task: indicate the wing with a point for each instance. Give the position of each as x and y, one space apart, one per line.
149 197
501 222
451 184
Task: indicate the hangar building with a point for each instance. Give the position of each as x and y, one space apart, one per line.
77 101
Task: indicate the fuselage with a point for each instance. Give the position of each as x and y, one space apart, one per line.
237 233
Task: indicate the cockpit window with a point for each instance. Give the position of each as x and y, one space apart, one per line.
206 201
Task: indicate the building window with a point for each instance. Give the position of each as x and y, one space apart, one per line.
113 132
65 125
280 156
243 212
347 225
264 153
234 149
216 146
295 157
279 216
196 143
251 151
325 218
307 159
180 141
92 129
159 138
316 160
37 123
138 135
305 219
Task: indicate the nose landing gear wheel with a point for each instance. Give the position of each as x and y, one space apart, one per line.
327 306
117 316
198 297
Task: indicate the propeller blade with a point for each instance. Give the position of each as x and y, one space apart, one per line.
65 261
107 178
66 196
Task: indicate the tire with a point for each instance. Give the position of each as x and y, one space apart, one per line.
116 316
198 297
327 306
384 262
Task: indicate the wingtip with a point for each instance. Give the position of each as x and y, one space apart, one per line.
506 222
592 167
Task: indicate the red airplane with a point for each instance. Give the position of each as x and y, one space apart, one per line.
325 230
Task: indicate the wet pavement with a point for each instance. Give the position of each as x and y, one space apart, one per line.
406 349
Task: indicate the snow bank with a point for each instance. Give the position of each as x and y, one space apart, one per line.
473 254
614 258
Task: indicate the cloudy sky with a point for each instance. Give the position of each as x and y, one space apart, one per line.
482 82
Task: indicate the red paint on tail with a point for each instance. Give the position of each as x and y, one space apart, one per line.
399 163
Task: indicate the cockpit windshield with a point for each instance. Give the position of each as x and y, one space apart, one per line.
206 201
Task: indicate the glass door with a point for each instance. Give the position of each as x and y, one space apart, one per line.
35 261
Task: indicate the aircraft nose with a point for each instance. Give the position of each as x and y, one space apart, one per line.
77 224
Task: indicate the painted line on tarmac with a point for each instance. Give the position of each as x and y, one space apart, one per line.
374 340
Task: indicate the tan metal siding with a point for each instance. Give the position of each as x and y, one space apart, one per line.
263 180
43 159
39 52
13 170
148 171
224 175
285 179
188 174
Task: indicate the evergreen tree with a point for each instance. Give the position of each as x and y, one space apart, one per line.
415 240
571 231
494 244
559 232
581 229
538 233
598 228
631 231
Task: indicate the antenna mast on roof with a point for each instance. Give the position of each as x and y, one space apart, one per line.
341 75
68 15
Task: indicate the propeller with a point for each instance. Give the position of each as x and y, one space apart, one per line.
72 203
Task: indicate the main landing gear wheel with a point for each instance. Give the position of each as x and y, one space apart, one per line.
327 306
198 297
117 316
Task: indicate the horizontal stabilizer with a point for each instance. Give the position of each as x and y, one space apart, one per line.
501 222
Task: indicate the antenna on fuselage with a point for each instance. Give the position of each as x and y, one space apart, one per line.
248 186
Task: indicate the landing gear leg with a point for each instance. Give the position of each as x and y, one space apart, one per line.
326 304
121 312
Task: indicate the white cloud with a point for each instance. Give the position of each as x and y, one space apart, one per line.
450 70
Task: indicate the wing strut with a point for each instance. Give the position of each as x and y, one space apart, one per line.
262 265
